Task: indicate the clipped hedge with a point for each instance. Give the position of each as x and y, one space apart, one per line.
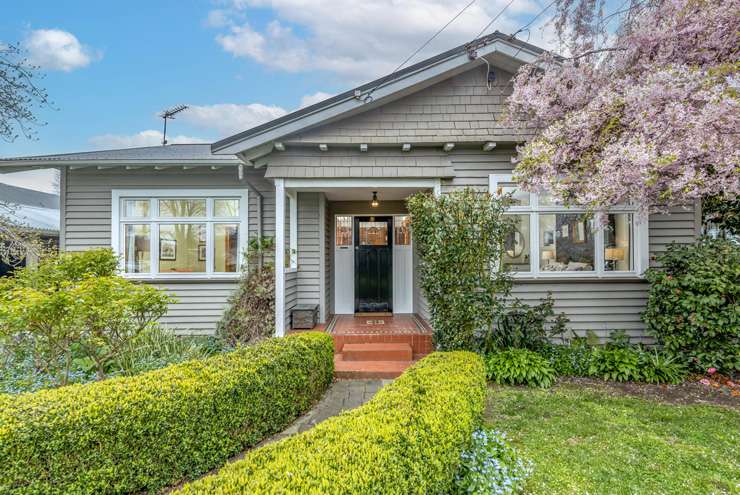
407 439
126 435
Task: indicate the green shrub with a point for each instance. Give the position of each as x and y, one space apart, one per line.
158 347
74 305
460 238
571 359
693 308
125 435
407 439
250 313
522 326
619 364
657 367
519 367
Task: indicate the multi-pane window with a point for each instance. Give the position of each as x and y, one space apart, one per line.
343 231
164 233
402 230
551 240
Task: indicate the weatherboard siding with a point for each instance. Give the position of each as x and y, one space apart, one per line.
87 224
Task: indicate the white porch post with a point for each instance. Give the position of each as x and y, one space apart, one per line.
279 257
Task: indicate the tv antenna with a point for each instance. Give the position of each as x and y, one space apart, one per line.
170 114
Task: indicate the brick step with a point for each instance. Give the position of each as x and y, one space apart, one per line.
368 369
377 352
420 343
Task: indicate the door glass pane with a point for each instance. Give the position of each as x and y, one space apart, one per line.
226 247
518 196
402 231
373 234
516 248
225 208
566 243
136 248
135 208
343 231
182 248
618 242
182 208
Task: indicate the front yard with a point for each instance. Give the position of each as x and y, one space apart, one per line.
594 439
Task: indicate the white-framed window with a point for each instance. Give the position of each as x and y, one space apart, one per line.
167 233
554 241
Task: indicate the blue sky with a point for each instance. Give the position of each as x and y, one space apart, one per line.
110 67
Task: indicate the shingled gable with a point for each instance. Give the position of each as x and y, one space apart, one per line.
499 49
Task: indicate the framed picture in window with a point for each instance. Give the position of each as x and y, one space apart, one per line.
548 238
167 249
202 251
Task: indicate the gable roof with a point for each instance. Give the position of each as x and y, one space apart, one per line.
507 49
32 209
181 154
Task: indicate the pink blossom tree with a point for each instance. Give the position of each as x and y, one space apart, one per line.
645 108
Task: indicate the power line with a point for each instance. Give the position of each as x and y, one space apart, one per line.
494 19
368 97
534 18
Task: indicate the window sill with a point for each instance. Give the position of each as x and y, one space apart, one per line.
577 277
194 277
292 269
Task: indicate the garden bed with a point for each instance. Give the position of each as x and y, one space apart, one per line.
589 436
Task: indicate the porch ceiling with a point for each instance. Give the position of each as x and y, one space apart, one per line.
366 193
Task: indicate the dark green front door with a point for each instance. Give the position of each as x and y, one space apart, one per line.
373 264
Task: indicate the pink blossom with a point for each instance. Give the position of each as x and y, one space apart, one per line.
704 381
712 371
652 120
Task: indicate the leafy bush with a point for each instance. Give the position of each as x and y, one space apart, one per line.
657 367
407 439
519 367
693 308
491 465
126 435
460 239
158 347
75 304
619 364
522 326
571 359
250 314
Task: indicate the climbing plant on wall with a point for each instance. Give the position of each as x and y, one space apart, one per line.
460 239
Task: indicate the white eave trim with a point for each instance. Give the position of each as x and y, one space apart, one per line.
345 108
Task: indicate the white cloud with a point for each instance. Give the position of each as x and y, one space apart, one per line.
357 39
230 118
309 100
144 138
54 49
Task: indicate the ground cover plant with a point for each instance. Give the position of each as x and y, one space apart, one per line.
491 465
408 439
519 367
131 434
584 440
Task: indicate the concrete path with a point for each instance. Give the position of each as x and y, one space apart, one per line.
341 396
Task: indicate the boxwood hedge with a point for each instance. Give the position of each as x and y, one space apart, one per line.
408 439
126 435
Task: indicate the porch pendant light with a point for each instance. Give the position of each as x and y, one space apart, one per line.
375 203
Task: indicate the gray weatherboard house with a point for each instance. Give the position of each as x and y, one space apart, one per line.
179 215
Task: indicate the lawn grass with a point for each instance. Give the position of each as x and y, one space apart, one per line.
588 441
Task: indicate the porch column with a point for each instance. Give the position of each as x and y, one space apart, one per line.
279 257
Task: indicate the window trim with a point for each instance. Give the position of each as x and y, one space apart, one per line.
640 238
154 220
